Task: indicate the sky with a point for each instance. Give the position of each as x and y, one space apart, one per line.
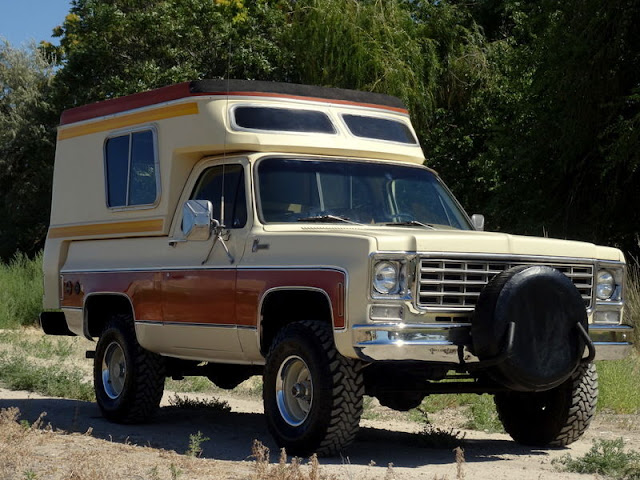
24 20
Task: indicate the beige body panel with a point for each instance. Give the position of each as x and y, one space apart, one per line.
146 258
185 132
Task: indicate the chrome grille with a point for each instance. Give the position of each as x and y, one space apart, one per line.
458 283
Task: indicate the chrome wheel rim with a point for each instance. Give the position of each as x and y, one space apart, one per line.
294 390
114 370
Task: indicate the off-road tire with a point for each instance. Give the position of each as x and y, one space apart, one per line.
556 417
334 415
143 383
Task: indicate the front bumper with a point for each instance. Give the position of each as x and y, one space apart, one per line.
451 342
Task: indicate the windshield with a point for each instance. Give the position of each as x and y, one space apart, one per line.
301 190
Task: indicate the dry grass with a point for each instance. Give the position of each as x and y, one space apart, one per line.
16 442
37 452
265 470
439 438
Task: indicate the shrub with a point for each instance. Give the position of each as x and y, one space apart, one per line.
632 299
618 382
606 457
21 291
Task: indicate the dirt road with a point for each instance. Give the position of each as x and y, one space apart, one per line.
227 452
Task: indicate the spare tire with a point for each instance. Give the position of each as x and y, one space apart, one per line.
545 308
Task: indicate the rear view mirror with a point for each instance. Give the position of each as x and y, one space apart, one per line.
478 221
197 219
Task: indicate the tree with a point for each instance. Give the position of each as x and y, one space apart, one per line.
27 140
466 80
569 143
110 48
370 45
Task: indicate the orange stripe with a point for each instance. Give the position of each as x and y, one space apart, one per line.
129 120
142 226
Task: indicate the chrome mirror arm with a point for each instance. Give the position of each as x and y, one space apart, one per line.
217 229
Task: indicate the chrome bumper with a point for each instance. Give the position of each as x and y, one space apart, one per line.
450 342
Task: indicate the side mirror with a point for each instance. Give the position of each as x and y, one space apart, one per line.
478 221
197 220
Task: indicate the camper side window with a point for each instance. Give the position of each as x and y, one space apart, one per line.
130 163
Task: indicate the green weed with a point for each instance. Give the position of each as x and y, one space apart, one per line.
482 415
435 403
18 373
195 444
21 292
606 457
175 472
43 347
436 437
618 385
195 403
368 413
190 384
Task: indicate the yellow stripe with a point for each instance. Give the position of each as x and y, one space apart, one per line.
129 120
118 228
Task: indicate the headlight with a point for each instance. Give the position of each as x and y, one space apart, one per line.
386 277
605 285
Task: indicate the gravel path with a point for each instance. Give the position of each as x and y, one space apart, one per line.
227 453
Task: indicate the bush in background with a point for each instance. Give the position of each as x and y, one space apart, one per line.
632 299
20 291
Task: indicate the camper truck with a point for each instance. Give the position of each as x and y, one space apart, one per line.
235 228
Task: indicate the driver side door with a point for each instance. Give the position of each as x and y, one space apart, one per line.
199 281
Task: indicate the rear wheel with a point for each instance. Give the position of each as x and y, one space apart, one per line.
128 380
555 417
312 394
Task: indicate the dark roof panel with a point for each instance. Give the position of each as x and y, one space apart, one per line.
229 87
294 90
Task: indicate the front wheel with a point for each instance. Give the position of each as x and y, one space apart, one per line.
312 394
128 380
555 417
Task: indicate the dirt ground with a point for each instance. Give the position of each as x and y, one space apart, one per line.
82 445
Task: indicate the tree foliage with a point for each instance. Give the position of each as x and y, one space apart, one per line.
27 142
110 48
564 147
529 110
364 45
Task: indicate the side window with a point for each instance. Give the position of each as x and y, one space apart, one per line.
282 119
131 170
223 186
379 129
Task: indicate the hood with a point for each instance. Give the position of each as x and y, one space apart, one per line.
416 239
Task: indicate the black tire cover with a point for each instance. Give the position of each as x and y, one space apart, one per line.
545 307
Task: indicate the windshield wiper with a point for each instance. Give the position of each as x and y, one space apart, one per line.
411 223
327 218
